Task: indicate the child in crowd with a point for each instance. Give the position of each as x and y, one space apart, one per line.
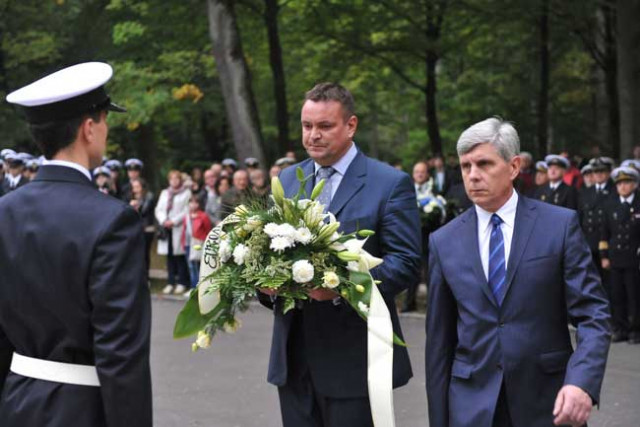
197 227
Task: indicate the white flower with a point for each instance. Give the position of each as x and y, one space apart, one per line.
363 307
330 280
271 229
224 251
240 253
203 340
428 208
367 261
303 235
314 214
252 223
303 203
353 266
280 243
286 230
302 271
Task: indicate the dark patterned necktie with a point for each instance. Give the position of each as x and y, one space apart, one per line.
325 173
497 268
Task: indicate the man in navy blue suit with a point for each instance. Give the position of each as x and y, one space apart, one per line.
505 279
319 350
75 313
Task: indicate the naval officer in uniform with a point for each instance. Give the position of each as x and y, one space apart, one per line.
74 304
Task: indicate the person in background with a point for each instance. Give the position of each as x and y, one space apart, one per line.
238 194
587 177
31 169
541 179
115 166
619 251
196 179
223 184
172 207
274 171
142 201
260 187
229 166
197 226
557 192
442 177
636 152
284 162
101 178
134 169
291 155
524 184
208 194
251 164
572 176
13 179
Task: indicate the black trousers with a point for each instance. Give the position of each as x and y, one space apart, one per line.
625 301
501 417
177 267
302 405
148 241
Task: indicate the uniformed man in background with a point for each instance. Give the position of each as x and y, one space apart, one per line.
556 191
619 250
74 303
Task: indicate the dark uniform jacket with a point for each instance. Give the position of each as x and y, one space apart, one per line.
564 196
6 186
621 233
591 210
73 290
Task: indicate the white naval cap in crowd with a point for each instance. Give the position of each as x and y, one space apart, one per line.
554 159
624 173
541 166
113 164
102 170
4 153
133 163
66 94
586 169
229 162
251 162
631 163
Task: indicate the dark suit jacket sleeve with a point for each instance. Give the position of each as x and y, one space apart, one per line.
6 352
121 319
442 339
399 234
588 312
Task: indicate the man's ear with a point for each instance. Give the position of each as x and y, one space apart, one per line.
352 124
85 130
516 163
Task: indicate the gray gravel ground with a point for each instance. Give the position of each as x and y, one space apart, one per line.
226 385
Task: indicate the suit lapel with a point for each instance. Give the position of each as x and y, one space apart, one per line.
352 181
523 226
470 245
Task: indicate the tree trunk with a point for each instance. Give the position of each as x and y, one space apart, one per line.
611 146
628 73
277 69
235 80
148 153
434 20
543 94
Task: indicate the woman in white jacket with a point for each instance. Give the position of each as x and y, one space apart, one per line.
171 209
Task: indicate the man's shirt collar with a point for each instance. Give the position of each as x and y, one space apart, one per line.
507 213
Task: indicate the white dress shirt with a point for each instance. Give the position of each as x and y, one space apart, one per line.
554 185
341 167
508 215
67 164
14 180
628 199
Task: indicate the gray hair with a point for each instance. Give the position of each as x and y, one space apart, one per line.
495 131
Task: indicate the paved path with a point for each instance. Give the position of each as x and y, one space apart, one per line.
226 386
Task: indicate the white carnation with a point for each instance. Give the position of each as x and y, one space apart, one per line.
224 251
286 230
271 229
240 254
302 271
280 243
303 235
330 280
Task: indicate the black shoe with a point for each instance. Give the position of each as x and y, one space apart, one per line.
619 337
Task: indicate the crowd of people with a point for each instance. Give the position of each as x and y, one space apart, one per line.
606 198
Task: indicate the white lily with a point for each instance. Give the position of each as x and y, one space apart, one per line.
367 261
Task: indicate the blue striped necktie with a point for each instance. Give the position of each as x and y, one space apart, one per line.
497 267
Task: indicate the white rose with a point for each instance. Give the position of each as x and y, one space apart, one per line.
302 271
240 253
224 251
330 280
271 229
280 243
303 235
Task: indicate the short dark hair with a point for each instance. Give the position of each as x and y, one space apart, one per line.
328 91
51 137
216 186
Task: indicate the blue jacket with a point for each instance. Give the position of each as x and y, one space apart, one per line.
474 345
374 196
